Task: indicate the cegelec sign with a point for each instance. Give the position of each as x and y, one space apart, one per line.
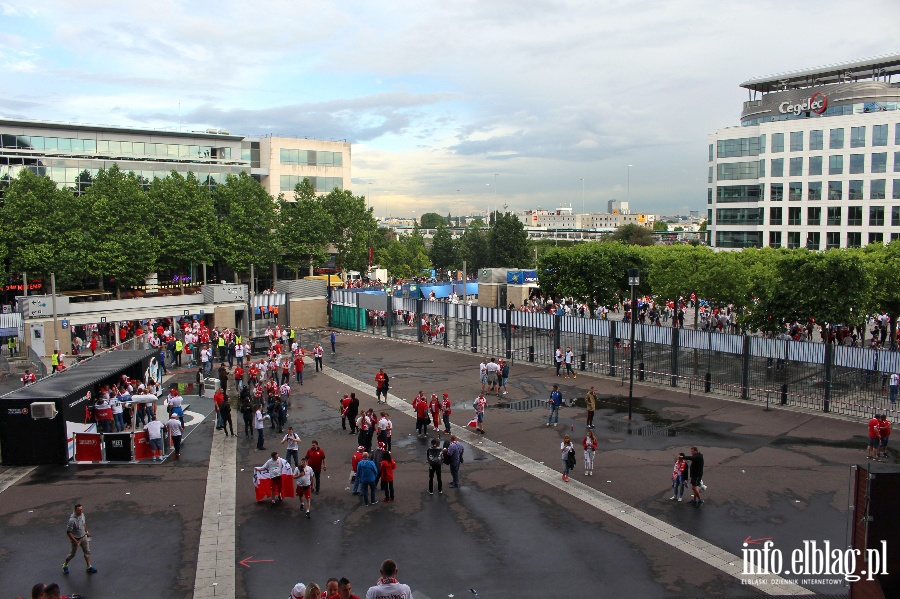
816 103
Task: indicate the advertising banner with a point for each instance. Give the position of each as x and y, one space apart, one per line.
88 447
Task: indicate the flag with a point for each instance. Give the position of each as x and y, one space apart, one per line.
473 422
262 483
287 479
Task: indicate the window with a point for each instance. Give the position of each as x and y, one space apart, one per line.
880 135
857 137
710 152
738 193
731 148
876 216
832 239
762 168
322 184
854 240
813 240
776 192
709 175
813 215
739 170
896 190
778 142
796 141
835 165
774 239
739 216
854 216
709 195
796 167
897 134
775 215
877 189
815 165
836 139
879 162
814 191
876 238
834 216
793 239
856 190
815 139
778 167
794 216
738 239
897 162
895 216
795 192
857 164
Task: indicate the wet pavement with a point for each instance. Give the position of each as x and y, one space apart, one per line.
780 474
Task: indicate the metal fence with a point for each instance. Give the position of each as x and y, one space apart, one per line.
831 378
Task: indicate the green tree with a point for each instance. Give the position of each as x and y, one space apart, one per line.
508 242
303 228
702 226
179 204
473 248
592 271
352 229
431 220
478 222
123 244
82 182
883 265
679 270
660 226
443 249
246 217
405 257
633 234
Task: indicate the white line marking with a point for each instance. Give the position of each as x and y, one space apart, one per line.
14 475
694 546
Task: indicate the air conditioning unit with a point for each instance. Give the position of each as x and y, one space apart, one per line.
43 409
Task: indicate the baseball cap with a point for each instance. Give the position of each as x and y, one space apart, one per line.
299 591
360 448
446 395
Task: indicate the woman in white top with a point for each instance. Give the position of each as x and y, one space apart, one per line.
567 451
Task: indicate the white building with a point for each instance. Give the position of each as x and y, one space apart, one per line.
564 218
811 164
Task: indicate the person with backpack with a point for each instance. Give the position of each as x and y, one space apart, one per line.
246 410
453 457
568 456
435 457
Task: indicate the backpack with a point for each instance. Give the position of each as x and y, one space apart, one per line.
445 457
435 457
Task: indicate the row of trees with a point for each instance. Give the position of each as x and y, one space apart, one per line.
769 286
125 228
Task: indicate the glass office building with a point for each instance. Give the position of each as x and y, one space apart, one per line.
814 163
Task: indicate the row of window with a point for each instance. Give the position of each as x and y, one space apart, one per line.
746 239
833 216
81 178
753 146
311 157
113 148
754 169
323 184
842 110
732 194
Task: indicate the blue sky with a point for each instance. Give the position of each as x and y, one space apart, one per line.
437 97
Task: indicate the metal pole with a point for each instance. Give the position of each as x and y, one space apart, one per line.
631 370
53 302
204 273
252 290
25 284
465 282
582 199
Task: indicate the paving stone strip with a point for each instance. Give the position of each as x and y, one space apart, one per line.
216 557
10 477
694 546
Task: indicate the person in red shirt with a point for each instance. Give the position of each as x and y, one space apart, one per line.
345 590
28 378
884 428
357 456
254 374
345 409
874 437
315 457
420 405
298 367
92 345
381 386
388 465
238 378
446 410
434 406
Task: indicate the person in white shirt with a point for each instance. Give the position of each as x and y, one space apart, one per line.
570 359
303 476
493 371
239 354
293 446
274 466
482 373
388 587
259 423
118 418
175 429
154 430
893 387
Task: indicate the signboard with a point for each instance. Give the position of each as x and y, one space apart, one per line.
142 449
65 324
88 447
118 447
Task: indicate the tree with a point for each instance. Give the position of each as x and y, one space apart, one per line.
633 234
179 204
508 242
660 226
303 228
405 257
478 222
595 272
82 182
883 265
679 270
352 228
443 250
246 217
473 248
431 220
703 226
123 244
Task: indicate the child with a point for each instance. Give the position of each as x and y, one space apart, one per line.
678 481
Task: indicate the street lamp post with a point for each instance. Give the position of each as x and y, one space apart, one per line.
634 279
628 189
582 196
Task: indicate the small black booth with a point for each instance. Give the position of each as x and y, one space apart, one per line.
28 441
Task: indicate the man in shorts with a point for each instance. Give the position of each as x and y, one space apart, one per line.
885 429
482 373
493 370
696 475
479 405
303 476
874 437
154 430
381 386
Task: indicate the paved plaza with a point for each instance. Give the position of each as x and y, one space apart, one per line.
191 528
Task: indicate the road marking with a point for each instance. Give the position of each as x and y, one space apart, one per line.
215 559
10 477
716 557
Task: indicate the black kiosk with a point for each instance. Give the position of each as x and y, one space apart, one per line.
43 434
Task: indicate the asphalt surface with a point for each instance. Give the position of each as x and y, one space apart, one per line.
780 474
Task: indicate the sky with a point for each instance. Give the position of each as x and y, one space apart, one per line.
449 106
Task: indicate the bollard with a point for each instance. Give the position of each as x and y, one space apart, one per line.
707 383
583 362
641 371
784 394
531 353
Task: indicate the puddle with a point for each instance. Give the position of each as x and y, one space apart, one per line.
647 430
524 405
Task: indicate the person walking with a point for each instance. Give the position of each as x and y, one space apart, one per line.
679 472
696 475
446 410
315 457
381 386
223 378
590 401
434 407
388 465
274 466
303 476
318 352
259 423
454 453
367 473
79 536
225 412
479 404
298 367
504 374
353 412
554 402
387 586
568 456
333 340
589 443
570 359
293 446
420 405
894 386
884 428
558 358
354 462
154 430
246 408
435 458
874 437
175 430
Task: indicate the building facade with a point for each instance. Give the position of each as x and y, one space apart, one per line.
563 218
72 154
815 161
